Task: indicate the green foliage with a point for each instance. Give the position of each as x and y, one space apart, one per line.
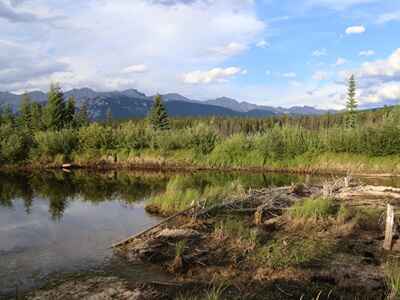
37 116
158 116
7 116
69 114
82 118
52 143
316 208
392 277
352 103
96 136
55 109
13 144
291 251
25 114
203 139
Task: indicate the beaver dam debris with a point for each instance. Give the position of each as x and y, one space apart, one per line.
282 243
330 241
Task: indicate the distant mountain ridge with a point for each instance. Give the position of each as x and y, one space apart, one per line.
133 103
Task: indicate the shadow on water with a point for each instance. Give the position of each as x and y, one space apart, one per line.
55 223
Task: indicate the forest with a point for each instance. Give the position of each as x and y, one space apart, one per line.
58 132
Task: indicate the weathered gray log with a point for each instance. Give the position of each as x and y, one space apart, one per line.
387 245
151 228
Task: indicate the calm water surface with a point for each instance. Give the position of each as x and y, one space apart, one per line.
56 223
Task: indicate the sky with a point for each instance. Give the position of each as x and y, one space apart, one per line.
270 52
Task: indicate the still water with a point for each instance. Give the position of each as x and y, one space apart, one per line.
58 223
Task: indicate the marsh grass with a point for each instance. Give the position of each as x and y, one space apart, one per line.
238 232
392 277
216 293
293 251
313 208
180 248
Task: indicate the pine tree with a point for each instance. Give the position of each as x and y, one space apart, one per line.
25 114
55 109
158 116
82 117
69 115
36 116
351 105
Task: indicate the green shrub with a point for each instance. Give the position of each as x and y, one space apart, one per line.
13 144
96 136
56 142
131 136
203 139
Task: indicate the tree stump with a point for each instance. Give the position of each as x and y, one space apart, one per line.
387 245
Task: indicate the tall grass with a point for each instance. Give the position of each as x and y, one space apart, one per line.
392 276
316 208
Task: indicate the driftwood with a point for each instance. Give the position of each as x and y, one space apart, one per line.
387 244
131 238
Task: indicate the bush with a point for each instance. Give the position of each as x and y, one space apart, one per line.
203 139
131 136
13 144
96 137
56 142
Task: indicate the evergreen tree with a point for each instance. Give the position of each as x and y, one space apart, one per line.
158 116
55 109
82 117
25 113
36 116
69 116
351 105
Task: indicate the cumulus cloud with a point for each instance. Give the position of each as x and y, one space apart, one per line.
319 52
355 29
230 49
135 69
95 42
367 53
382 92
213 75
289 75
387 68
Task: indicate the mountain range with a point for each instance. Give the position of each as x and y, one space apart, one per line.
133 103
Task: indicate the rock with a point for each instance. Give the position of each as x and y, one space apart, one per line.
178 234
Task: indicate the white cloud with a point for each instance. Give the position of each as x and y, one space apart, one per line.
180 40
338 4
355 29
319 52
262 44
389 67
213 75
268 72
340 61
382 92
367 53
230 49
289 75
320 75
135 69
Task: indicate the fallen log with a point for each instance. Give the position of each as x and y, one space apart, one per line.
152 227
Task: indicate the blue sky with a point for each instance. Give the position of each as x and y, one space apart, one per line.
286 52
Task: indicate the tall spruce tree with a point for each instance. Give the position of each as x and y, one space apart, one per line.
158 116
69 116
82 117
352 103
55 109
36 116
25 113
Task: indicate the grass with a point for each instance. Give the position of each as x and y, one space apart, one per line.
392 276
180 248
237 231
365 218
292 251
315 208
214 294
184 191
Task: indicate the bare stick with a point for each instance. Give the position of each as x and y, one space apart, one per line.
387 245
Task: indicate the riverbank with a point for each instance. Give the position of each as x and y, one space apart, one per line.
321 164
295 242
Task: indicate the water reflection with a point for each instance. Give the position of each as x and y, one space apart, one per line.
55 222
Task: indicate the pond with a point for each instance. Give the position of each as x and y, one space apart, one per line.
56 223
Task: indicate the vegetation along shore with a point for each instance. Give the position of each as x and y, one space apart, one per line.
51 134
